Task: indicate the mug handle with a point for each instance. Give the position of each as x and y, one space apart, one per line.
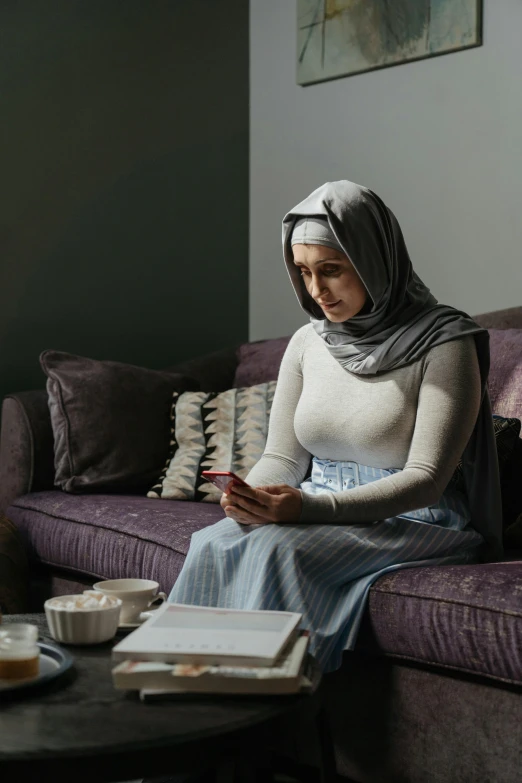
155 598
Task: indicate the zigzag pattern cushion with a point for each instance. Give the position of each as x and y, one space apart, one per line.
211 431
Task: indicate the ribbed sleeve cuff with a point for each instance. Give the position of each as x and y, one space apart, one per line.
317 508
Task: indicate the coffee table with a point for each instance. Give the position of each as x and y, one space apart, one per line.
81 728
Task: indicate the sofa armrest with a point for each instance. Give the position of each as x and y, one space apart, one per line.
26 446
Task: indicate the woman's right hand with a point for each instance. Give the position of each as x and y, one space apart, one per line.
226 500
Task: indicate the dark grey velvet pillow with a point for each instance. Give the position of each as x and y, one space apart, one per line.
110 422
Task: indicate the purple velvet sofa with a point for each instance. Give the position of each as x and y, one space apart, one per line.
433 691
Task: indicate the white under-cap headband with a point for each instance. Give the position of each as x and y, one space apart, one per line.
314 231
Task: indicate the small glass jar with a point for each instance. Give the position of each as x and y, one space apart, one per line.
19 653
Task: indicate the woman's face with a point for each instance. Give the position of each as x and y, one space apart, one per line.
330 279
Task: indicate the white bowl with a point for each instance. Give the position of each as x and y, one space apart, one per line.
82 626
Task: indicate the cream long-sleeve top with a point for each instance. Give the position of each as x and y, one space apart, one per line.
416 418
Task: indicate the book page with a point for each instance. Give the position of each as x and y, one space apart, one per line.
181 616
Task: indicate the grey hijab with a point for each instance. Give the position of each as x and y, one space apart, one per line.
404 322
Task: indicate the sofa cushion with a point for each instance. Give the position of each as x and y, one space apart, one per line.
110 536
213 371
210 431
110 422
259 362
467 618
510 318
505 375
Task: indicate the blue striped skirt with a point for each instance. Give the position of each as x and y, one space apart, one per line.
322 571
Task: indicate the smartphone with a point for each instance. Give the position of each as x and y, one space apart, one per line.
223 478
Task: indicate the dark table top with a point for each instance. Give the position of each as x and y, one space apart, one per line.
80 724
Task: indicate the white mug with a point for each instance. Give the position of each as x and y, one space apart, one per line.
136 595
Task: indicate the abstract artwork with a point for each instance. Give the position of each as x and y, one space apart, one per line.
342 37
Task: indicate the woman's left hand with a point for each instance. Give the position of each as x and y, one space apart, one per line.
264 505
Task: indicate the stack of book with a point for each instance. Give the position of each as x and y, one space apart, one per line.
185 649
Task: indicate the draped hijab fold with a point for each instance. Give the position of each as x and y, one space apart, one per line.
404 322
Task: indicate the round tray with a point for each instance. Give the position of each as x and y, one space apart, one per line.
53 663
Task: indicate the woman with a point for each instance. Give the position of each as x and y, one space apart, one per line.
387 390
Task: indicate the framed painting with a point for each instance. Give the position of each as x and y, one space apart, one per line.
338 38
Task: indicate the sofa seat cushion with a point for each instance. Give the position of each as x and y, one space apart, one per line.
467 618
110 536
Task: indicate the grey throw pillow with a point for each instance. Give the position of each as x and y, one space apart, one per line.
210 431
110 422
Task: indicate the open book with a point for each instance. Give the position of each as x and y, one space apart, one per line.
180 633
156 677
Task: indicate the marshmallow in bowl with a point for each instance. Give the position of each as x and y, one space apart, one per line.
89 599
90 618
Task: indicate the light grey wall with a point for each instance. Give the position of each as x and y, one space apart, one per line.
440 140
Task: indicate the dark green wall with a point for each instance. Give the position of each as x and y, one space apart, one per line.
124 181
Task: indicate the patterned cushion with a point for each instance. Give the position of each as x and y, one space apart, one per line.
211 431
